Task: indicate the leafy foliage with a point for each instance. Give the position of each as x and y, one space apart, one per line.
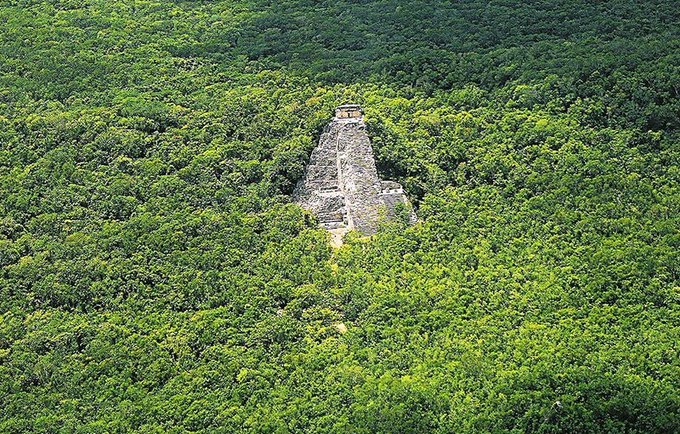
155 276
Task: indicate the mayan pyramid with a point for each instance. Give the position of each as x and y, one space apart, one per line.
341 185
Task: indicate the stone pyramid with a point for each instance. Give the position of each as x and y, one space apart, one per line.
341 185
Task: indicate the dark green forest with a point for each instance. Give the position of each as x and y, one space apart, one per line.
155 275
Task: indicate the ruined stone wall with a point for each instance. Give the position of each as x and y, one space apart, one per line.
341 184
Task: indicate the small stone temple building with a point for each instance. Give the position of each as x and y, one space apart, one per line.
341 185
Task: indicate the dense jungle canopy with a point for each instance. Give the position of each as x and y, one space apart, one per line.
155 276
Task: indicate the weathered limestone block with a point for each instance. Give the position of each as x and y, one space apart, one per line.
341 185
394 197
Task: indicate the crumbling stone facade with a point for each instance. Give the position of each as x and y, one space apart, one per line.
341 185
348 111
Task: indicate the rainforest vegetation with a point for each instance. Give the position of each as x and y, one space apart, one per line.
156 277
